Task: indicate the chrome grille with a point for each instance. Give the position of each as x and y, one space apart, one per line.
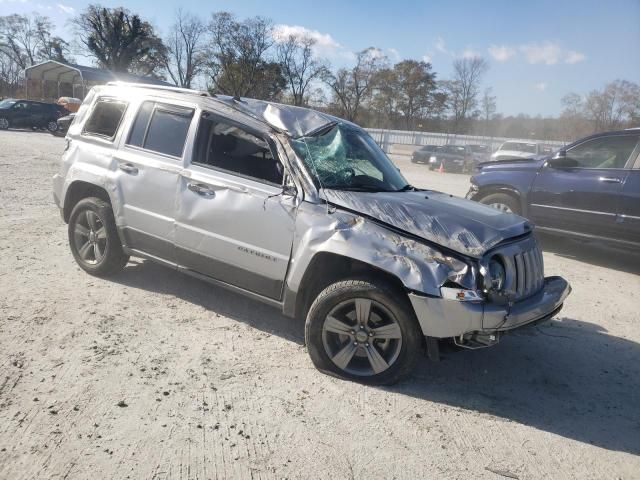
529 272
524 267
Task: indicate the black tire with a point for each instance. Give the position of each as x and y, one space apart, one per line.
111 259
5 124
384 299
496 199
52 126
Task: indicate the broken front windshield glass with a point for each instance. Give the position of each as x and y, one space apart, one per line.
344 157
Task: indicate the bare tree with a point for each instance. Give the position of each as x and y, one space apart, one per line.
415 88
185 49
237 50
351 87
299 65
384 98
613 107
467 75
26 40
488 107
120 40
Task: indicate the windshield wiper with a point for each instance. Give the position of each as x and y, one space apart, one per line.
408 187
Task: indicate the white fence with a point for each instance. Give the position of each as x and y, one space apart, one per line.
386 138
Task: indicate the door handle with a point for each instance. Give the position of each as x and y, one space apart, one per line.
201 190
128 168
610 179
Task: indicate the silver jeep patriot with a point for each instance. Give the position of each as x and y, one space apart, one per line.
300 210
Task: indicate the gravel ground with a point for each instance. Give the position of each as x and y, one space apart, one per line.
152 374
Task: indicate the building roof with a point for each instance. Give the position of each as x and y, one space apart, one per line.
73 73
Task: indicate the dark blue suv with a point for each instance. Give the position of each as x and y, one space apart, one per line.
590 188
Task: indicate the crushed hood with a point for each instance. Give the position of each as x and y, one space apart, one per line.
464 226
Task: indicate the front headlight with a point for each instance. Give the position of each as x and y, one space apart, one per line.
497 274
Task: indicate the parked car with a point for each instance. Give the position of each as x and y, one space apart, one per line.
423 153
480 153
513 149
589 189
63 125
300 210
29 114
453 158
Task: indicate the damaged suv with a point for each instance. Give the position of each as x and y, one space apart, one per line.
300 210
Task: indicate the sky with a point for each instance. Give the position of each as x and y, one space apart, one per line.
538 51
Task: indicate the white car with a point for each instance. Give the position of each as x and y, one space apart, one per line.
510 150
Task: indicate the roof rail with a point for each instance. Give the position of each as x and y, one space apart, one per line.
188 91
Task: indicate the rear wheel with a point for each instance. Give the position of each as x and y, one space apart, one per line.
363 331
93 238
52 126
503 202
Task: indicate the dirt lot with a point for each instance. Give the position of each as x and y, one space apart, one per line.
153 374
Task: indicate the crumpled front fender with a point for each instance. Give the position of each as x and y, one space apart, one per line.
417 266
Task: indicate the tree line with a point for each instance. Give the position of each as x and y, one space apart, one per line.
251 57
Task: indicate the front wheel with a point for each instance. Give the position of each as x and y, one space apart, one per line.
503 202
52 126
363 331
93 238
4 123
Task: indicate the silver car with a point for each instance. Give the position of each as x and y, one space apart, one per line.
300 210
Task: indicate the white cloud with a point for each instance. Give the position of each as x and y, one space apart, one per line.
376 53
440 45
426 58
547 53
550 53
575 57
66 8
323 40
541 86
501 53
325 46
394 54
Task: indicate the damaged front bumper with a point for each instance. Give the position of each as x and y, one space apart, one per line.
464 316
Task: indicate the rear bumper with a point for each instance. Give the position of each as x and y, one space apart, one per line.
444 318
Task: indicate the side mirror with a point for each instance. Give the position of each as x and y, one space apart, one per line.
560 160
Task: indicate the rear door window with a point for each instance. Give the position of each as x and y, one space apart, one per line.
228 147
161 128
105 118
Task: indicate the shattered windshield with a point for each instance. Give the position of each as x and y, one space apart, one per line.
343 157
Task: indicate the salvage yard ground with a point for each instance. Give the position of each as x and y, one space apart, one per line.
152 374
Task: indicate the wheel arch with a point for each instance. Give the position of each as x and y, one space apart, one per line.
505 189
326 268
78 190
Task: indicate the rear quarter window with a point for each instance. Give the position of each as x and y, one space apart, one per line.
105 118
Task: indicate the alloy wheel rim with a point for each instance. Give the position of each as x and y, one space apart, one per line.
4 123
52 126
362 337
501 206
90 237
